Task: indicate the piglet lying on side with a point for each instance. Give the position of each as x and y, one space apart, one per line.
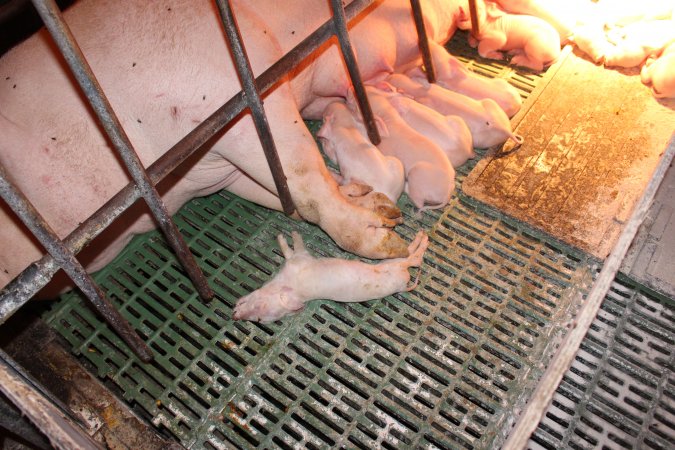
533 42
452 74
304 278
487 122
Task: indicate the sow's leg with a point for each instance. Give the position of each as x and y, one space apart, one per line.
314 191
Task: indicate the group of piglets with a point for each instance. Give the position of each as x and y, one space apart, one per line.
426 129
633 34
616 33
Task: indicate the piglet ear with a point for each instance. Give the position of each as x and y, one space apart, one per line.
326 129
290 300
283 245
416 72
351 102
381 126
493 10
456 67
385 86
463 19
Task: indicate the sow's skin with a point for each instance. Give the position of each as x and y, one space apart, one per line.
304 278
165 67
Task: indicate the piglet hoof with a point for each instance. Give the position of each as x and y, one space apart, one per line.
417 248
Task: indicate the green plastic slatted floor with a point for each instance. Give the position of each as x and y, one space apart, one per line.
443 366
620 390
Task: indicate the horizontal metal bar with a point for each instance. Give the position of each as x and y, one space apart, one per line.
23 208
64 39
38 274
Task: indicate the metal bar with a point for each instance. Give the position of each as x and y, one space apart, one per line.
340 28
38 274
254 102
67 261
543 394
423 40
51 16
473 11
62 433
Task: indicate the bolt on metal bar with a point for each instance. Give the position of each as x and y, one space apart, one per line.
53 20
340 29
67 261
423 40
38 274
245 72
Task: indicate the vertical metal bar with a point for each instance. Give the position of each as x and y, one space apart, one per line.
255 104
51 16
38 274
67 261
473 11
423 40
340 24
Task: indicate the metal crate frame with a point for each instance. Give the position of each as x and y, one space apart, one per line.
61 253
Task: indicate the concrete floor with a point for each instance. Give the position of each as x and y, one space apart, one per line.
651 258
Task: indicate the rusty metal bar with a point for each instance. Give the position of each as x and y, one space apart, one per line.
245 72
340 29
51 16
423 40
67 261
473 11
38 274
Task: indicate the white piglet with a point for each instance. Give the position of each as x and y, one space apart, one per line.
452 74
488 123
304 278
345 142
450 133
